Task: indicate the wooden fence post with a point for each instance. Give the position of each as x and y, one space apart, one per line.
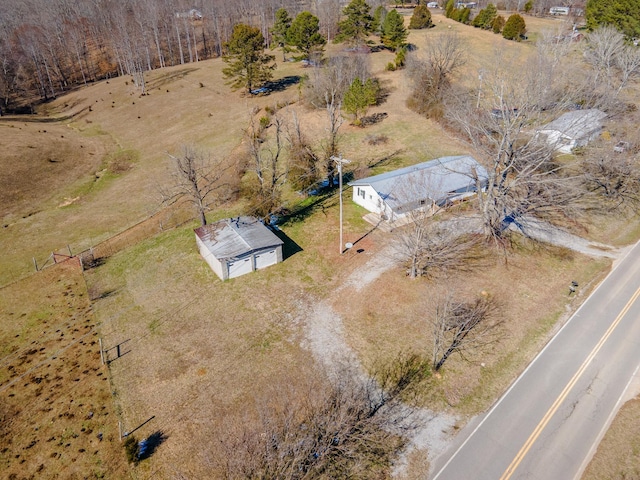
101 351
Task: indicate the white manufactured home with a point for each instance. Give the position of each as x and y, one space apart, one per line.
573 129
236 246
427 186
559 10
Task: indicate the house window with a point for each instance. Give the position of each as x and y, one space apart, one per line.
360 192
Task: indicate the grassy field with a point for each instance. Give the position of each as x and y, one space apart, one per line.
195 350
57 417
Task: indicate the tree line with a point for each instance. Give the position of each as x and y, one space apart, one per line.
48 47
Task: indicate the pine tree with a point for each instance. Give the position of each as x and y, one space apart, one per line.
357 24
498 24
514 27
305 35
359 97
421 18
280 31
248 64
394 32
379 15
622 14
485 17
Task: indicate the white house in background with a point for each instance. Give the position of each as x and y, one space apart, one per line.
430 186
573 129
559 10
235 246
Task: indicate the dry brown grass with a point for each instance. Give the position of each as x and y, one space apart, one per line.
395 314
618 455
57 417
196 348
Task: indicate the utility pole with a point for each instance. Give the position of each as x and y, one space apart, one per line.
339 161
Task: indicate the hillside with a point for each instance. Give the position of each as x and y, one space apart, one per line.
202 359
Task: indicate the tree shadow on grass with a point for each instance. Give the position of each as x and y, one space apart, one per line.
148 446
324 198
283 83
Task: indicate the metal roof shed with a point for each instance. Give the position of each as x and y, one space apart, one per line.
573 129
431 184
239 245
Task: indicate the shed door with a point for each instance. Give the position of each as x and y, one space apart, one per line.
265 259
239 267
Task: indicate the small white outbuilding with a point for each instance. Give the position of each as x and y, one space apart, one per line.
239 245
573 129
427 186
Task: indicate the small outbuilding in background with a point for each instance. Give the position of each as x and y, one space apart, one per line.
239 245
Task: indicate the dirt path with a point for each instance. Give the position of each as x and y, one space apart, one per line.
324 334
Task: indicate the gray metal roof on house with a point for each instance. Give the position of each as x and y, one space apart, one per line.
236 237
577 123
435 179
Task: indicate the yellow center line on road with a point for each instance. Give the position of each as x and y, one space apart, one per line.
547 417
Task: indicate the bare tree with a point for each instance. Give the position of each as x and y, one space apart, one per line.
426 246
266 164
330 145
613 176
614 63
431 72
523 176
463 327
303 161
345 427
198 178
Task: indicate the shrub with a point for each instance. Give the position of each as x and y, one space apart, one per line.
498 24
514 27
421 18
131 449
401 57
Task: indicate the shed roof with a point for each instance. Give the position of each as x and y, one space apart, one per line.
577 123
235 237
435 179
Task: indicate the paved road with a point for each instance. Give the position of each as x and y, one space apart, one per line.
547 424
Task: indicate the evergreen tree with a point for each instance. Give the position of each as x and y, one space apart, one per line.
248 66
514 27
379 15
463 15
528 6
394 32
485 17
449 8
359 97
498 24
622 14
357 24
280 31
305 35
421 18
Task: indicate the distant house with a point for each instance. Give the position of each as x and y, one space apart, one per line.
429 186
192 14
433 5
235 246
559 10
573 129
